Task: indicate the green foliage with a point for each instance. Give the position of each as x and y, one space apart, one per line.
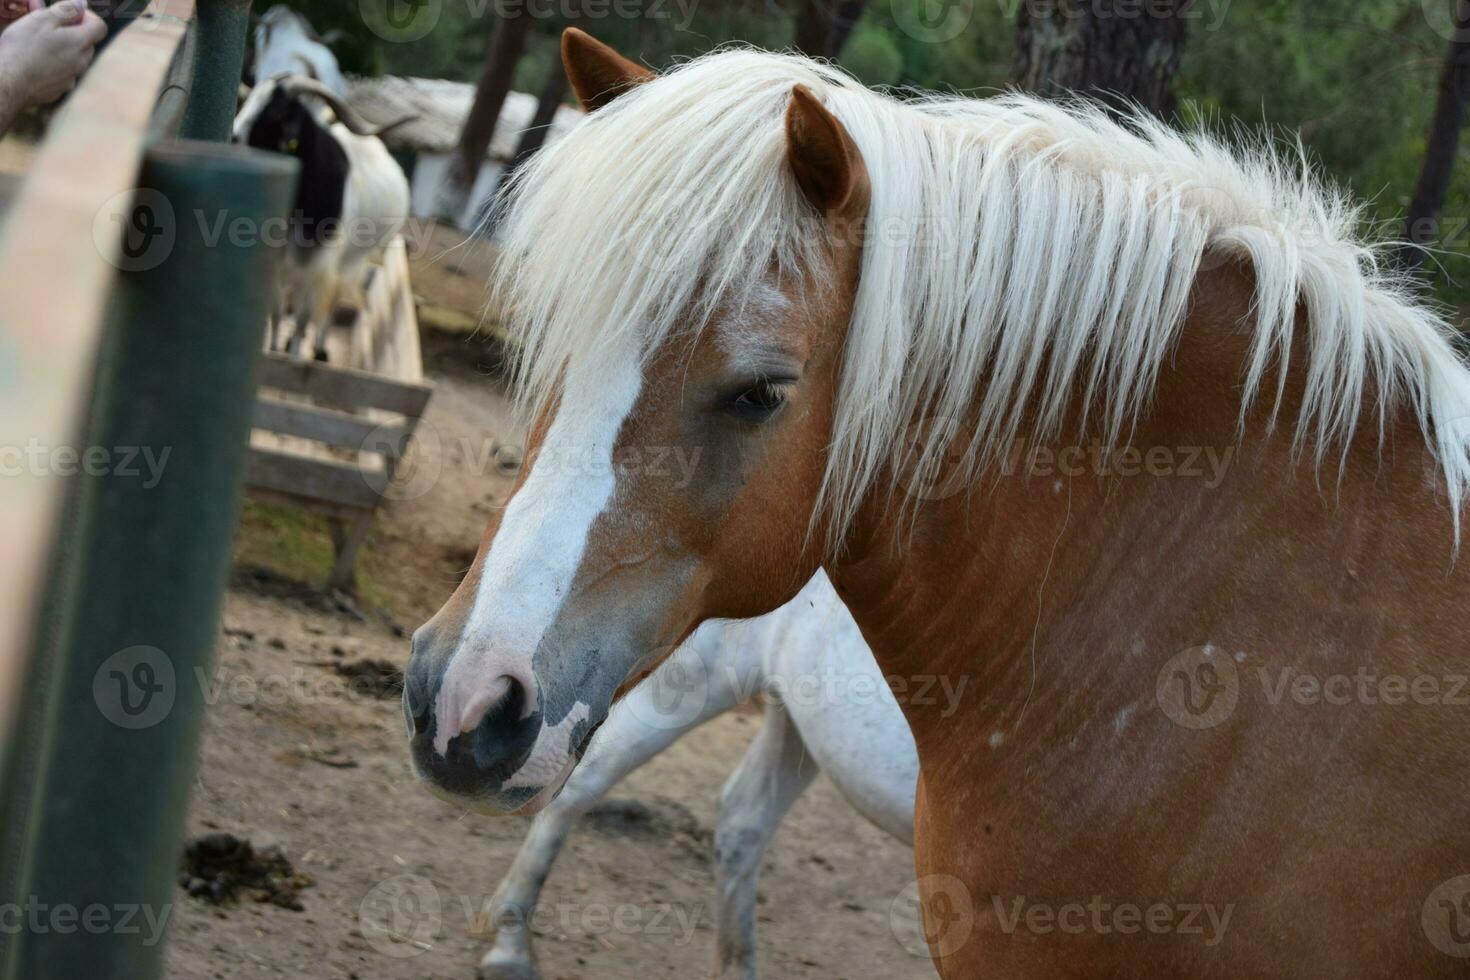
1356 79
872 56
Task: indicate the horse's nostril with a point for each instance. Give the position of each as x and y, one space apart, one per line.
500 700
514 701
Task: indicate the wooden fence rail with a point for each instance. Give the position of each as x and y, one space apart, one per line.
121 326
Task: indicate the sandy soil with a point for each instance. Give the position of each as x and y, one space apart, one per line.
295 756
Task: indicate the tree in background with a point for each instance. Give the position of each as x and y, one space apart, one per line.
502 53
823 26
1443 143
1118 51
814 28
553 90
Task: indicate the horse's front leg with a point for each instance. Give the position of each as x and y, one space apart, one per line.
775 771
638 728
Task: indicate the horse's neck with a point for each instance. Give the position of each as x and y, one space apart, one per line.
1051 581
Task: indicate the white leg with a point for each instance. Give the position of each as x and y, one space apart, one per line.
636 730
775 771
317 324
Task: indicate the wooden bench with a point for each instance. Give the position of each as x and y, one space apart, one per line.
371 417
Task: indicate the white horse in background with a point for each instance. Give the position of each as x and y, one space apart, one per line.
805 656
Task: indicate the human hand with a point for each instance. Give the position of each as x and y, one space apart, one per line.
14 10
44 52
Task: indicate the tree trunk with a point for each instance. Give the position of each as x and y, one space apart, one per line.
849 12
814 28
822 26
1441 146
533 136
1117 51
552 92
507 42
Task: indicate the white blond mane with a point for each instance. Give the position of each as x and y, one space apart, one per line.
1040 247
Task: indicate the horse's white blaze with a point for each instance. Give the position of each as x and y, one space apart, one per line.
538 549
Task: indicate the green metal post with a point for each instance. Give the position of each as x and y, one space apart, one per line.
219 56
148 550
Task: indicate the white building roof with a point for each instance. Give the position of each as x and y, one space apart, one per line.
441 107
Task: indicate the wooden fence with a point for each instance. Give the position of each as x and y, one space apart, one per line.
122 326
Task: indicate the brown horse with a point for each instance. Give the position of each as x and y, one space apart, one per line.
1122 427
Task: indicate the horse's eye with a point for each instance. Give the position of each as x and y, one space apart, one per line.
758 402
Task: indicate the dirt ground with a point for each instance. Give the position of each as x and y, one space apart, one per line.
296 756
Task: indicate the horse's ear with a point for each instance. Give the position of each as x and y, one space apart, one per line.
826 162
598 73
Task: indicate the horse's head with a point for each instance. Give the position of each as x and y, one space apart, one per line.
683 413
